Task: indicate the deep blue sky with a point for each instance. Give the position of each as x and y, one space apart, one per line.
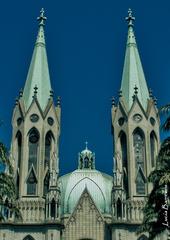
85 46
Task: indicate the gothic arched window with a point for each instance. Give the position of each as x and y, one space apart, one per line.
53 208
48 140
28 237
153 148
46 183
119 208
123 144
19 149
139 148
19 145
33 148
143 237
139 154
140 182
86 162
31 183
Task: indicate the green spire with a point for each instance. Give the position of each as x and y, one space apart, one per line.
38 74
133 75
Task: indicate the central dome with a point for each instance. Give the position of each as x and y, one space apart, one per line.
98 184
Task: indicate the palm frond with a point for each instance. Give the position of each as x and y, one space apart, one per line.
7 186
165 109
166 125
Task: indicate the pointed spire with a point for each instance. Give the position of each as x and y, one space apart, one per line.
38 74
133 74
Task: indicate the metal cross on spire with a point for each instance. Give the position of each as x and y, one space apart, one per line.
41 18
130 19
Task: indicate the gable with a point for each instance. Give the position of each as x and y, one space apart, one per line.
86 221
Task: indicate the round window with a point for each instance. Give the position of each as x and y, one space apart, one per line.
50 121
121 121
137 118
19 121
152 121
34 118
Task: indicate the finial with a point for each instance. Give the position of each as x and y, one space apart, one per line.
41 18
35 91
155 100
16 101
20 93
58 101
135 90
120 93
51 93
150 93
86 143
113 101
130 19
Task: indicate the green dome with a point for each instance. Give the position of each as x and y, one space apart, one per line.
98 184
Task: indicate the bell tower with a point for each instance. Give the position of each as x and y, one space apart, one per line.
35 139
135 128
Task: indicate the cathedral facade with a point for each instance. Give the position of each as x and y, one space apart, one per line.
85 204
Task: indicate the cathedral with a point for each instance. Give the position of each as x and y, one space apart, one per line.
85 204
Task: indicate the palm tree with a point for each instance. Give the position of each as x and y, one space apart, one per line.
7 187
157 211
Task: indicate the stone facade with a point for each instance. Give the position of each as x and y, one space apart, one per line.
85 204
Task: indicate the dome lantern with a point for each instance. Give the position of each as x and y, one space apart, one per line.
86 159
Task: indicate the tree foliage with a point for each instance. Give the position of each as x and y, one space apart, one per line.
7 187
157 211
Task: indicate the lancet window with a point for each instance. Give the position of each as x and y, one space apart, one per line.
139 154
48 140
119 208
153 148
123 143
46 183
19 143
33 148
53 208
31 183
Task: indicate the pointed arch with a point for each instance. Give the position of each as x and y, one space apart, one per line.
123 148
19 154
140 182
31 182
76 191
46 183
119 208
33 143
48 147
28 237
53 208
19 147
153 148
143 237
86 162
139 157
